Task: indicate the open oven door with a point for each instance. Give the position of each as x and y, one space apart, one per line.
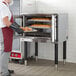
54 34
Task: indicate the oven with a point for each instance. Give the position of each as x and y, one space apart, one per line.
45 28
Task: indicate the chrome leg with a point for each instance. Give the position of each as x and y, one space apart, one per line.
56 67
25 62
36 57
64 61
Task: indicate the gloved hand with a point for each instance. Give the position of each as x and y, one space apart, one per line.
16 28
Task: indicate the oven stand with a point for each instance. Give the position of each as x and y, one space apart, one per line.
36 52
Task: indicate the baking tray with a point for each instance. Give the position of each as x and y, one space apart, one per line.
40 27
31 31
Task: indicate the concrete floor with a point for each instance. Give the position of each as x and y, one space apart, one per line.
43 68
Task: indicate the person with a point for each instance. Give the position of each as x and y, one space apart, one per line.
7 27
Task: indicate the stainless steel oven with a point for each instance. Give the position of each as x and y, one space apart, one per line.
47 27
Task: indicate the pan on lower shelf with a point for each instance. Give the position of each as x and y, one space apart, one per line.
28 29
31 31
41 26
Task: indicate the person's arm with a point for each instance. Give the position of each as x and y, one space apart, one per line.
13 26
6 21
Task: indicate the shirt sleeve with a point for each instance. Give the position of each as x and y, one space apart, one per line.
4 12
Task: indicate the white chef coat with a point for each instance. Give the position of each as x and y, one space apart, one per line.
4 11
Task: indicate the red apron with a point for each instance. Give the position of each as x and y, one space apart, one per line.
8 37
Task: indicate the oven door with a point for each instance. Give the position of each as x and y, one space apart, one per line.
54 28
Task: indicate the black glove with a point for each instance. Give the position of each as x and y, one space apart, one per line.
16 28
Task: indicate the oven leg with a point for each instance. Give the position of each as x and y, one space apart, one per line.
64 52
56 56
25 53
36 50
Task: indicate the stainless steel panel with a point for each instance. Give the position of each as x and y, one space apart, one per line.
27 6
62 27
15 8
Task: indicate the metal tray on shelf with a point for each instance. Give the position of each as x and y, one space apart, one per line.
31 31
40 27
40 20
